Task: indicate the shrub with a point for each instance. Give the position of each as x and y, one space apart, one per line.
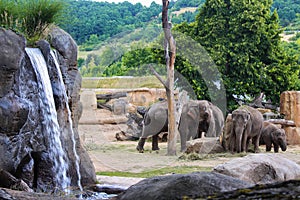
29 17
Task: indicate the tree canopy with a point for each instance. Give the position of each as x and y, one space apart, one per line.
243 39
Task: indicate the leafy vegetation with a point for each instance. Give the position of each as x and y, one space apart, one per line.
89 20
287 10
29 17
244 41
101 20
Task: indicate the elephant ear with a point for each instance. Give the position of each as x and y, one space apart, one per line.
248 117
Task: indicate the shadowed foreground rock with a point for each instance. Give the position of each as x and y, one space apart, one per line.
7 194
281 190
179 186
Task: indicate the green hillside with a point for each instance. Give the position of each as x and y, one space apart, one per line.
89 21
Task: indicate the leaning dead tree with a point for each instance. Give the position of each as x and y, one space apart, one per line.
170 53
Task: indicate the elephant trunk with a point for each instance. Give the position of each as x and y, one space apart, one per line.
238 139
282 145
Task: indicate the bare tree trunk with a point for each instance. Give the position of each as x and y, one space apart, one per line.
170 60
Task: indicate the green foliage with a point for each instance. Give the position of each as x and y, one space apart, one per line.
85 18
8 14
29 17
287 10
187 3
242 37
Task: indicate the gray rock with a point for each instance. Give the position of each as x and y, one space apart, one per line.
23 132
65 45
260 168
119 107
11 56
204 146
181 186
67 57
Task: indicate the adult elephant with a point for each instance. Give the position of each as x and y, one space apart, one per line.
155 122
247 123
200 116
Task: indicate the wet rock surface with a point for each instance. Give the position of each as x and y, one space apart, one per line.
23 134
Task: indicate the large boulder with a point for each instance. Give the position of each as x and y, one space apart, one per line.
260 168
182 186
204 146
26 134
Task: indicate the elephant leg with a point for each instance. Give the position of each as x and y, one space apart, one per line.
276 148
140 146
183 139
256 143
232 143
155 142
268 145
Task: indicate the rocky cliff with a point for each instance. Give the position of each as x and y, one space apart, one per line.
25 129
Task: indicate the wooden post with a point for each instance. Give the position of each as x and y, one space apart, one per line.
170 53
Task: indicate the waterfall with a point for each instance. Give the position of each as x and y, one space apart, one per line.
62 86
49 121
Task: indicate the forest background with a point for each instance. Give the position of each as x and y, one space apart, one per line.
245 40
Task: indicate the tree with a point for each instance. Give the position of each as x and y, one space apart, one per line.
243 39
170 54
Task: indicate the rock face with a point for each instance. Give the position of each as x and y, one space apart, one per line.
23 131
182 186
260 168
290 108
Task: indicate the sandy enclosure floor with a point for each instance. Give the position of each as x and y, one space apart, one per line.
108 154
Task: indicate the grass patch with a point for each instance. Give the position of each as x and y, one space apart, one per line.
158 172
121 82
197 156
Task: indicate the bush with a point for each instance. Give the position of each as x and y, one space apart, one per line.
29 17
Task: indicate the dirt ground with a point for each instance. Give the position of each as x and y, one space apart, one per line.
108 154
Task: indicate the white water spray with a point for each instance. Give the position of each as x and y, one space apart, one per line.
62 86
50 123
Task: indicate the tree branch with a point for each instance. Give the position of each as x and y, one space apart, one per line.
158 76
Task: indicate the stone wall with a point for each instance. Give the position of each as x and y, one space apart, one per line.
290 108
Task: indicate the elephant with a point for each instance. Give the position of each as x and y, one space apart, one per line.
247 123
272 134
226 133
155 122
199 116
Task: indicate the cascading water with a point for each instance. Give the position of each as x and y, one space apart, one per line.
50 122
62 86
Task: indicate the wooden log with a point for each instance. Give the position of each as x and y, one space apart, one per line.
109 189
104 106
282 122
111 96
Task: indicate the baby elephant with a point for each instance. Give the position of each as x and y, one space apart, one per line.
272 134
